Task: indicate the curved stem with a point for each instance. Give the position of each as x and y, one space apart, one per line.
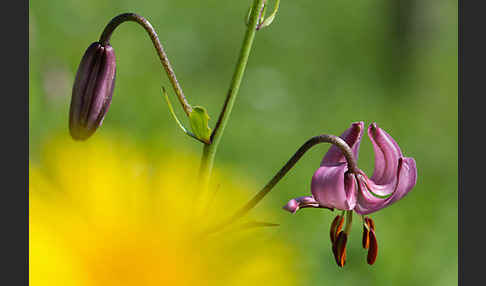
335 140
108 31
209 152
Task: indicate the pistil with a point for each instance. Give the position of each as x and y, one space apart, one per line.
349 221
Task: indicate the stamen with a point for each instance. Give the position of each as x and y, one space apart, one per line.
373 250
339 249
366 235
336 226
368 226
371 223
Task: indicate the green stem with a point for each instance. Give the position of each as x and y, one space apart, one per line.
116 21
324 138
209 152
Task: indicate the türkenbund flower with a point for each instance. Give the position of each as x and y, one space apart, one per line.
335 186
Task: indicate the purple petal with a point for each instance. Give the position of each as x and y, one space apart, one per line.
352 136
301 202
387 154
333 187
405 180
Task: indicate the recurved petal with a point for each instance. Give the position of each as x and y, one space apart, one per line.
333 187
301 202
406 179
352 136
387 154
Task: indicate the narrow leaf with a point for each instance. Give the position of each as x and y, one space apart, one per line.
247 20
164 93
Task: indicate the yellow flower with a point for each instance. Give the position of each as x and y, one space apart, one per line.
104 213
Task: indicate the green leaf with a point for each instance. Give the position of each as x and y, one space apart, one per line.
247 20
199 120
171 109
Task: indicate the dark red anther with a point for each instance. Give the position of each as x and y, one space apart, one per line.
373 247
339 249
368 225
336 226
332 232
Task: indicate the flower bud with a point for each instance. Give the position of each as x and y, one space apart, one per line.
92 90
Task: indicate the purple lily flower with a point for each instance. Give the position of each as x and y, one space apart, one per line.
335 186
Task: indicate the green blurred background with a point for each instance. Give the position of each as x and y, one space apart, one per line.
320 66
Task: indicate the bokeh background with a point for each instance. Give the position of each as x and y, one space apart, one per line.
320 66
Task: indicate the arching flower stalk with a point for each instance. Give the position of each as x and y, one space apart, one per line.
337 186
95 80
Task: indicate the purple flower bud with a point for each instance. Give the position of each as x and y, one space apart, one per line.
92 90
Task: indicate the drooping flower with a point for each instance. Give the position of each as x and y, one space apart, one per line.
335 186
92 90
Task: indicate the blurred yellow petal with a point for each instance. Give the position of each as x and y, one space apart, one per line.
103 212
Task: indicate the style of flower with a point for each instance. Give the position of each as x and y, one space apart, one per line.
335 185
